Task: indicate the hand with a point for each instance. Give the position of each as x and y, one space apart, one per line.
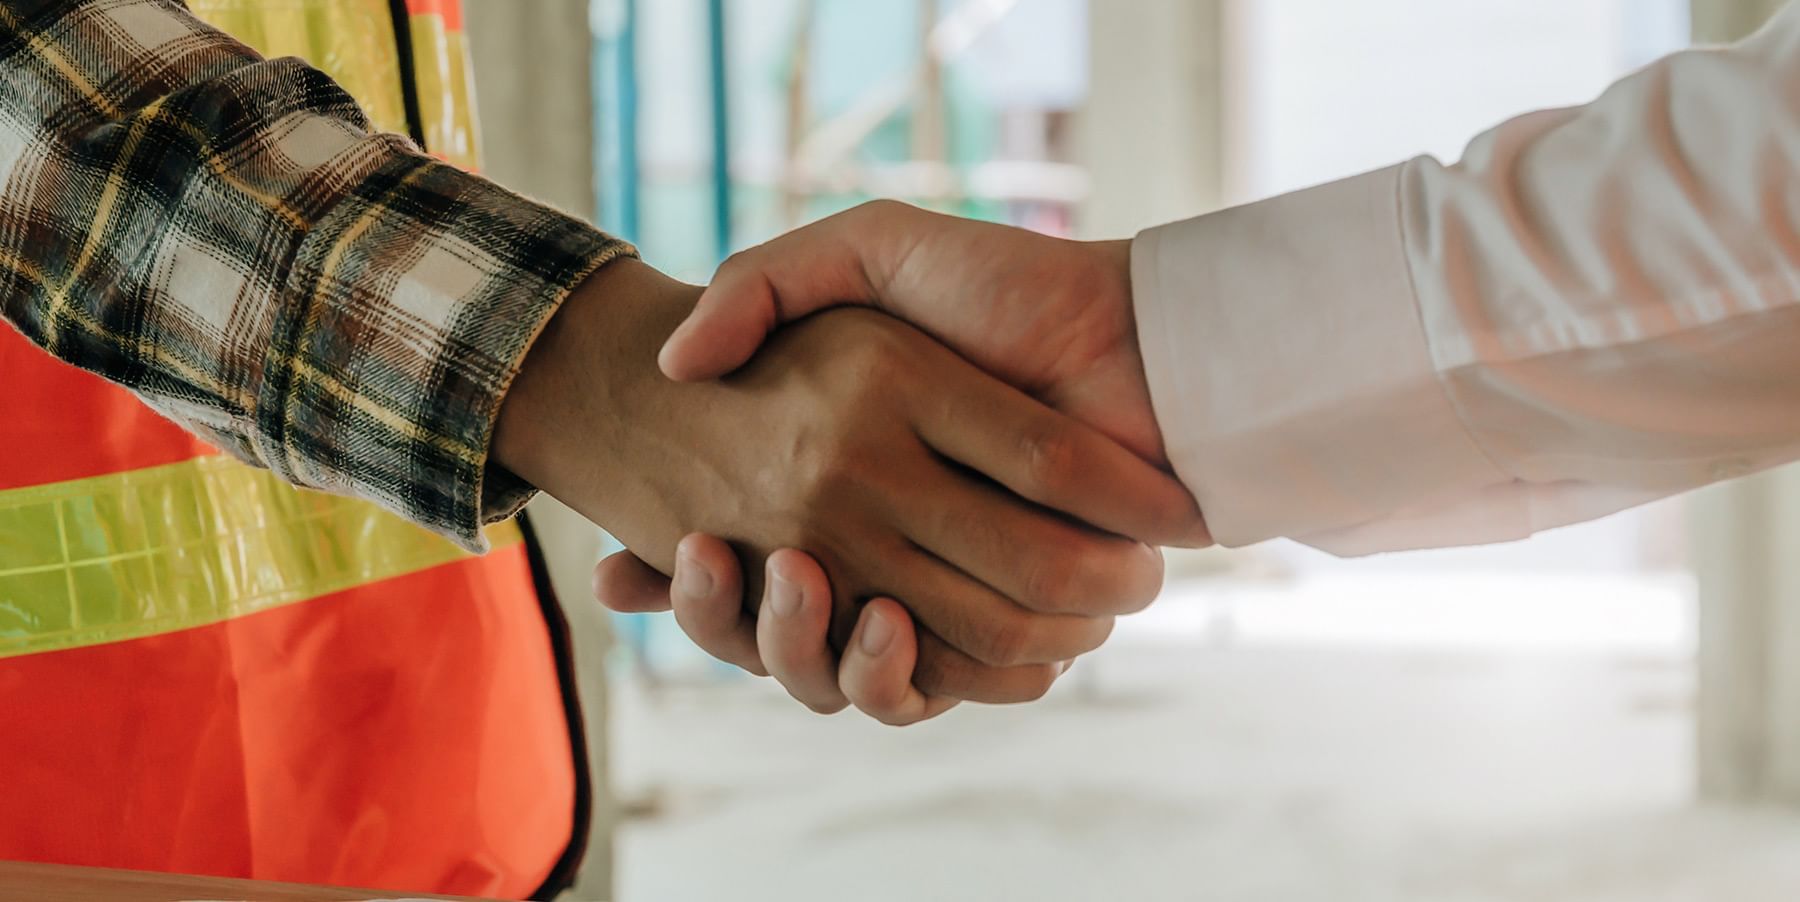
849 437
787 638
1049 315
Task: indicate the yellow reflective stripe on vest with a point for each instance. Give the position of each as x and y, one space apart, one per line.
446 93
353 41
170 548
350 40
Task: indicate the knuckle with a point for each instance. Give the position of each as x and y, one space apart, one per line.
1007 643
934 674
986 540
841 471
1180 523
1050 460
876 357
737 265
1179 514
823 709
857 370
880 208
1148 585
717 632
1066 636
1036 683
1051 584
897 720
1138 602
1101 631
823 462
887 705
878 697
1119 578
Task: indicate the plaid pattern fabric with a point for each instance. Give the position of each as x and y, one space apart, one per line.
227 237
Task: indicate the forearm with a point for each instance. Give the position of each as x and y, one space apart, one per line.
1595 308
226 236
576 421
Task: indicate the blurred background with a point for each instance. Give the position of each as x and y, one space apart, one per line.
1605 712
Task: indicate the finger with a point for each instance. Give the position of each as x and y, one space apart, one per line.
943 671
836 261
791 631
1032 556
877 670
627 585
984 625
1058 462
708 596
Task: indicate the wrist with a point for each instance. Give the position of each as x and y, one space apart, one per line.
1117 254
597 353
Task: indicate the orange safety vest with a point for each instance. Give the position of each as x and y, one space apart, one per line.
204 670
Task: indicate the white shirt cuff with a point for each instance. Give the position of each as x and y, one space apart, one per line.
1289 369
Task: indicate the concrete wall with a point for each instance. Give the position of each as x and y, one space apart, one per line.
532 91
1746 545
534 96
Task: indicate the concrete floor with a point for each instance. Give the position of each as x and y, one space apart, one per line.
1160 771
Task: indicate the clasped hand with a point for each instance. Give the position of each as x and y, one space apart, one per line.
953 535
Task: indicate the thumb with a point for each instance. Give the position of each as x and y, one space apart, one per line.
735 313
826 264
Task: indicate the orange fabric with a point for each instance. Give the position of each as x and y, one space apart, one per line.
397 736
449 10
63 423
405 735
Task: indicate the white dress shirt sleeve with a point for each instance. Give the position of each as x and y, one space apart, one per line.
1596 307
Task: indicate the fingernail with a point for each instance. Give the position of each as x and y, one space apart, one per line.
692 579
784 595
877 635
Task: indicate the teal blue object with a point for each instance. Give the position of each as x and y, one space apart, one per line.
618 171
721 128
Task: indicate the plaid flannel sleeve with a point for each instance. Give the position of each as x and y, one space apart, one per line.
226 236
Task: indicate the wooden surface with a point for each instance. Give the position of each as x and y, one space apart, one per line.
53 883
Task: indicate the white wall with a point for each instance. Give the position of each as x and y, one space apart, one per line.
1328 89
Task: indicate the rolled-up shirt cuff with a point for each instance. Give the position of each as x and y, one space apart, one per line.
1289 368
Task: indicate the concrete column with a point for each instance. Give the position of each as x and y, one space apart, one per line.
1745 538
1746 544
1152 132
534 93
534 96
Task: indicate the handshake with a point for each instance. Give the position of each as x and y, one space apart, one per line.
928 515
